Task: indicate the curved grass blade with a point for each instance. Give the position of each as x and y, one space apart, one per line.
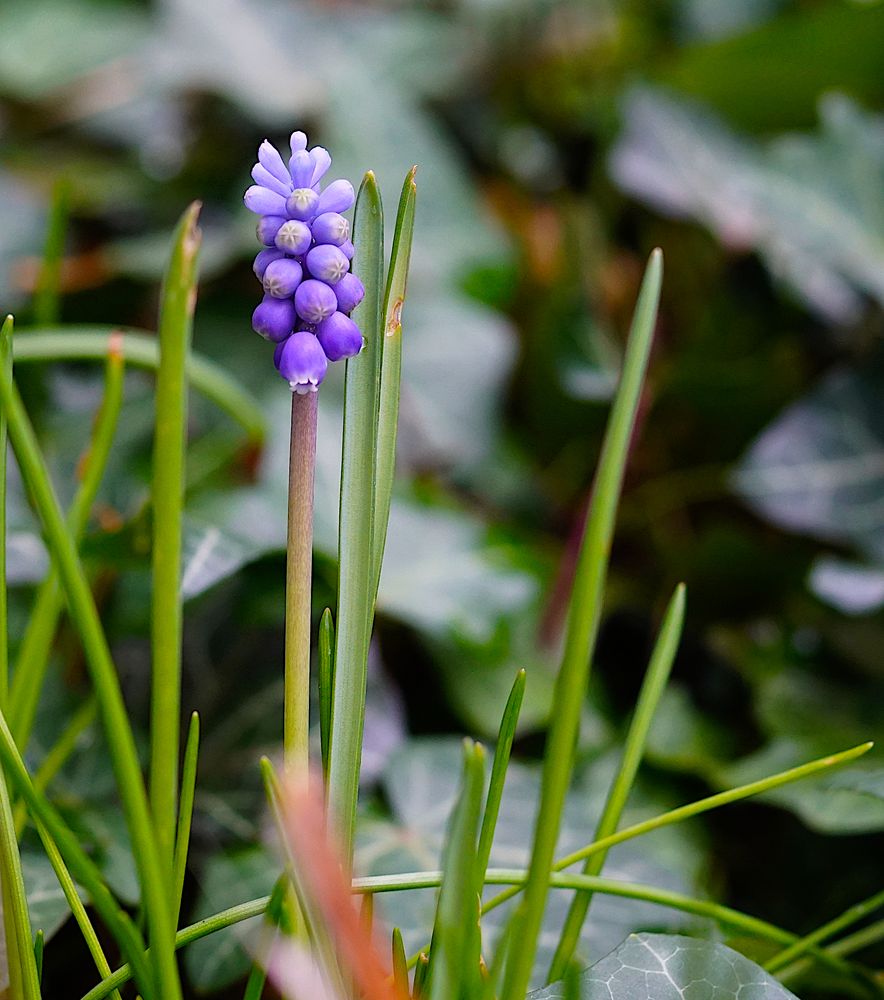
140 349
326 684
455 949
652 688
399 962
583 621
39 947
185 809
124 757
391 368
6 369
177 304
355 611
33 656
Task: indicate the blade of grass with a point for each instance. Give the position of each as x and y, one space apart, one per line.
6 368
391 369
177 304
326 684
852 915
505 736
583 621
454 952
58 755
124 756
39 947
355 610
185 809
141 350
399 963
24 980
33 657
81 866
274 917
653 685
420 976
47 293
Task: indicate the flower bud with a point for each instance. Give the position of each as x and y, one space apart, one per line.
314 300
269 158
262 176
268 227
294 237
337 197
301 204
274 318
277 353
301 169
302 362
263 259
327 263
347 249
282 277
264 202
330 227
321 162
339 336
297 141
349 292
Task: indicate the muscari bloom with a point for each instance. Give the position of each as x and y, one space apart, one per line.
304 266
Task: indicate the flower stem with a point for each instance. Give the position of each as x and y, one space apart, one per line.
298 579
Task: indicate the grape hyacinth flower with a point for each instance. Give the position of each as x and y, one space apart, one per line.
304 265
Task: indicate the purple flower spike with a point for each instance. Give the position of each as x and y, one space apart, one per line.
267 229
314 300
264 258
328 264
349 292
282 277
301 169
271 161
274 318
302 362
337 197
330 227
263 201
294 237
321 162
340 337
301 204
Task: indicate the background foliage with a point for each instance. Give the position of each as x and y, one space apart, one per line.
557 143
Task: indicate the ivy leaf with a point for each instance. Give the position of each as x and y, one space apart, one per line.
671 967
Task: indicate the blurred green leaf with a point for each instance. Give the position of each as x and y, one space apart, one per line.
654 966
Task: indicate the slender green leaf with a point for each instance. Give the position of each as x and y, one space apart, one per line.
33 656
185 809
355 610
583 622
47 294
502 751
39 946
140 349
400 963
84 615
454 953
652 689
6 370
177 304
326 683
391 368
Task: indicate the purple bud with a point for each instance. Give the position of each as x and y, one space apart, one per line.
314 300
302 362
349 292
267 229
327 263
297 141
321 162
264 202
282 277
339 336
277 352
263 259
337 197
294 237
274 318
301 203
347 249
330 227
301 168
262 176
269 158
